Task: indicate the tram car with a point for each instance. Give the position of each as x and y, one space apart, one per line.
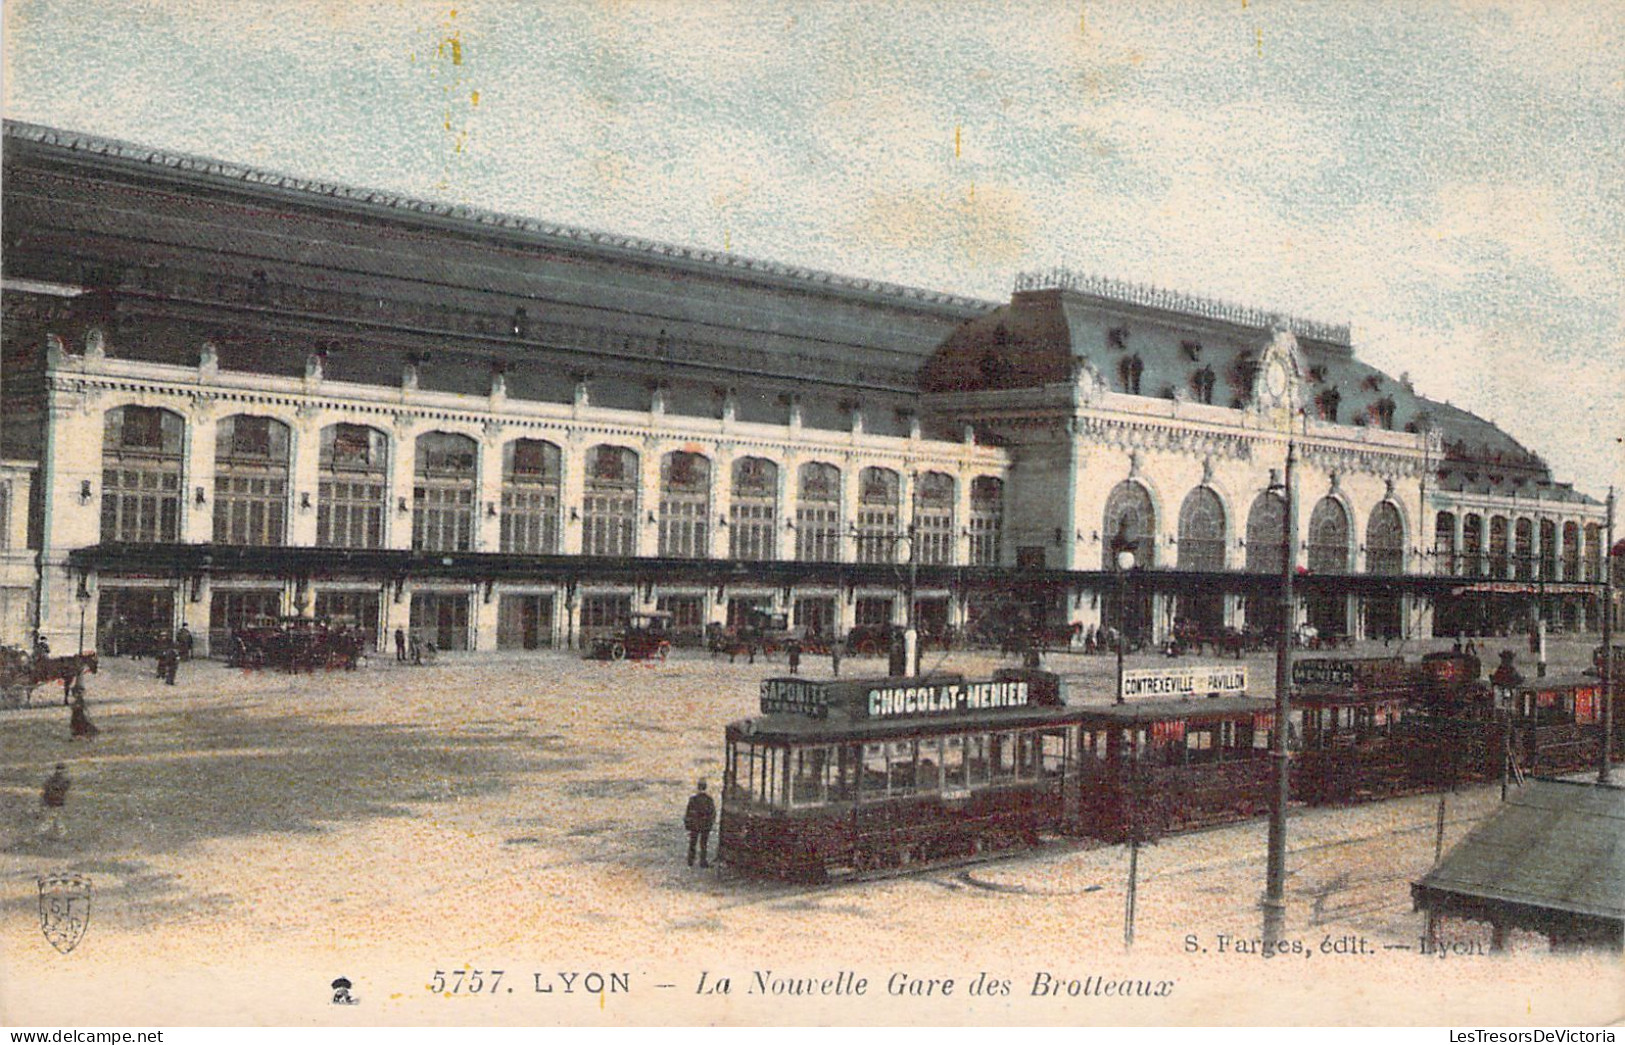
1154 768
841 778
1357 741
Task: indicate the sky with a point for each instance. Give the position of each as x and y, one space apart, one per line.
1449 177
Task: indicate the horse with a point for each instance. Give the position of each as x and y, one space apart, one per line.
64 669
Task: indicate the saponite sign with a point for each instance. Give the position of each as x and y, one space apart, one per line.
1196 681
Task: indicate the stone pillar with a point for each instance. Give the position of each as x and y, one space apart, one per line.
647 534
197 474
572 490
1458 563
961 544
402 461
488 493
850 490
482 621
304 478
722 484
789 497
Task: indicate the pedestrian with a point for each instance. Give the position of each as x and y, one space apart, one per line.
416 650
835 655
53 798
79 724
750 649
168 663
400 646
183 639
697 820
41 647
793 652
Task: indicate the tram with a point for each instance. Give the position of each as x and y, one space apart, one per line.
1357 740
841 778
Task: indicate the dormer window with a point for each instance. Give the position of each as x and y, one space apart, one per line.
1130 370
1317 373
1382 412
1373 382
1117 338
1192 350
1202 383
1328 402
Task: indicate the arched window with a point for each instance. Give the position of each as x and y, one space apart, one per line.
1593 552
1472 546
1201 531
1444 544
1202 383
1548 550
609 511
532 471
1499 548
443 488
1129 515
1523 549
753 515
250 481
1265 521
352 487
879 495
818 513
934 518
685 505
141 475
1328 538
1385 541
986 520
1571 551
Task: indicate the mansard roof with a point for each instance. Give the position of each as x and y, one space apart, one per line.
235 244
1057 323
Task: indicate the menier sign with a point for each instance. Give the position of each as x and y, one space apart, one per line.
1347 673
1198 680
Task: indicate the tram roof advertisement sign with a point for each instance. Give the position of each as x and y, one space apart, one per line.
1345 673
1198 680
950 698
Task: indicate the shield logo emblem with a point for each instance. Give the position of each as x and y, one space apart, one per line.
64 909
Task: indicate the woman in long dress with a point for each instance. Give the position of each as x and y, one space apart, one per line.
79 724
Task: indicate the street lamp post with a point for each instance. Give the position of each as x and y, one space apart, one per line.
1123 558
83 595
1275 875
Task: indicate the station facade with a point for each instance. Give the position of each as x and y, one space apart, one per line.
230 394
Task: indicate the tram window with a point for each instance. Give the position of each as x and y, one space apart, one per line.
874 771
900 767
1026 755
843 774
772 766
953 763
1092 744
808 777
978 762
1201 745
1053 747
928 768
1004 756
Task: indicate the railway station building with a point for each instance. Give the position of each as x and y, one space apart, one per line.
227 393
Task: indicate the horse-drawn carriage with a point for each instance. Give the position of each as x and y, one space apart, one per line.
296 644
21 671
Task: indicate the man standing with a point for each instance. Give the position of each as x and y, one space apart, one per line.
835 655
400 646
697 819
794 655
53 798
